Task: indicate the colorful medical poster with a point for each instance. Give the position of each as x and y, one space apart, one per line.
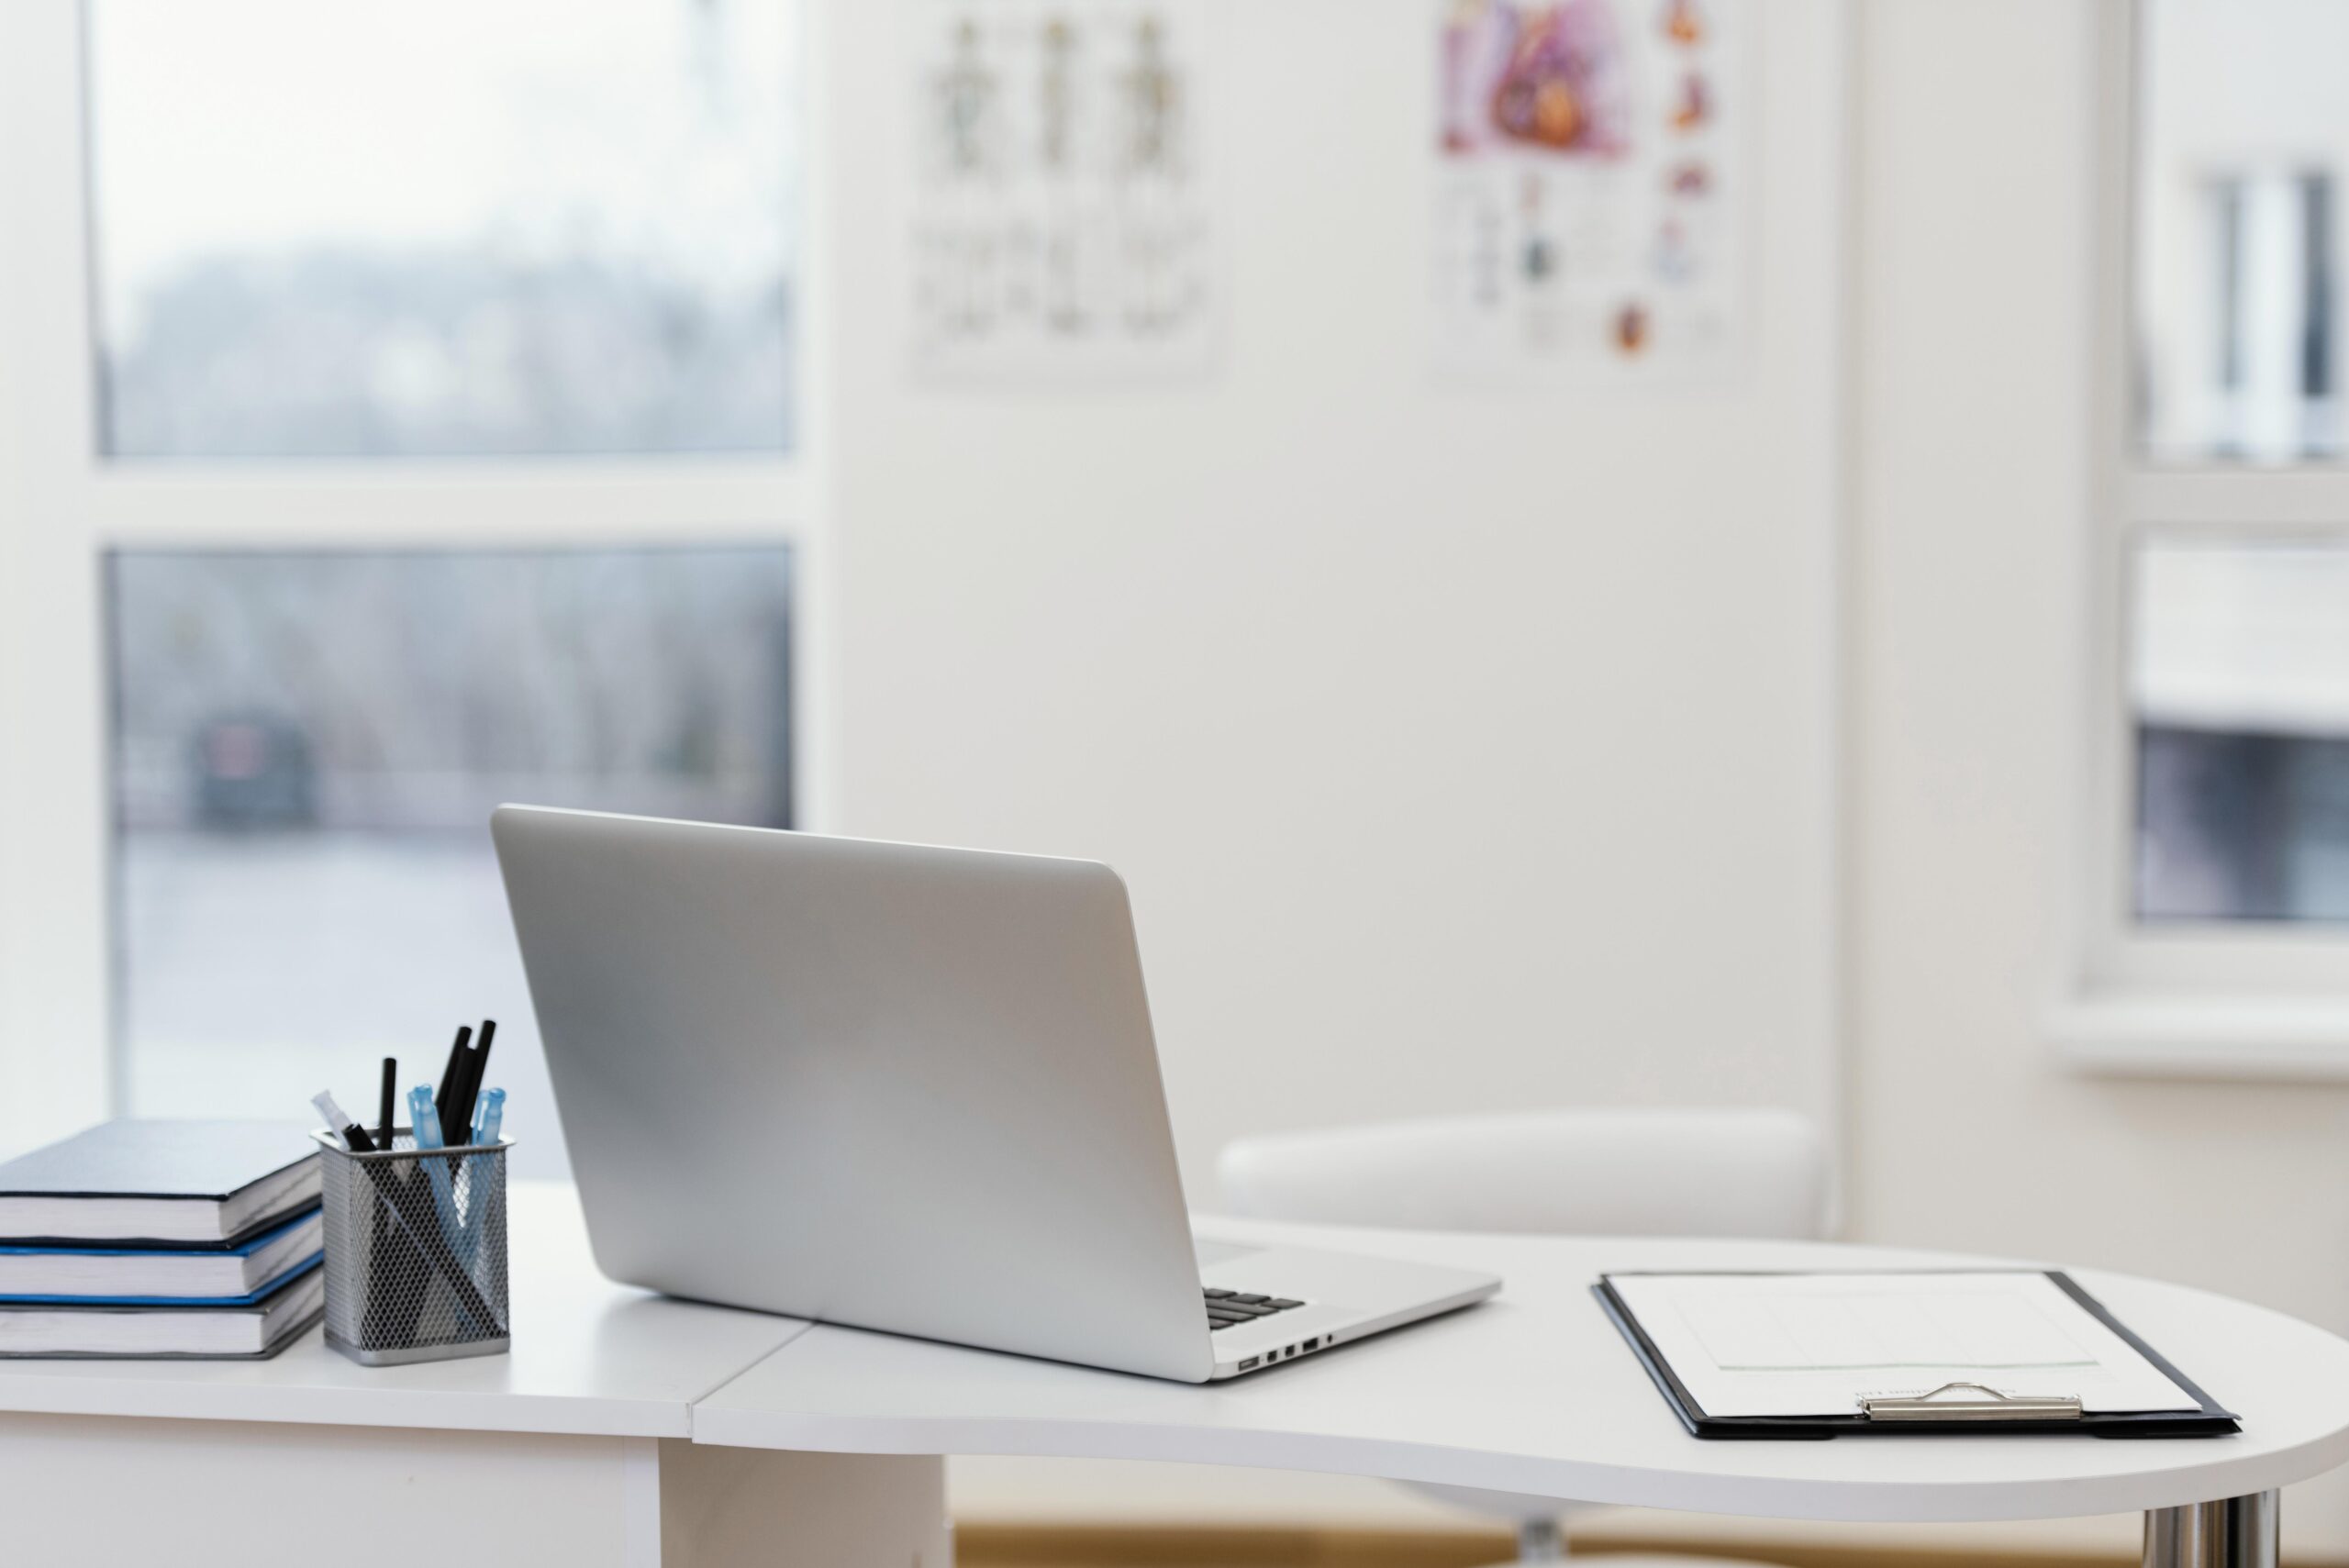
1062 227
1591 189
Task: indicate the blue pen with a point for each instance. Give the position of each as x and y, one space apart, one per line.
424 1121
488 1112
488 1115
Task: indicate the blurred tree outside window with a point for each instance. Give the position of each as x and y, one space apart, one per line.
434 228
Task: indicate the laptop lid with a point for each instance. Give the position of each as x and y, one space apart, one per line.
883 1085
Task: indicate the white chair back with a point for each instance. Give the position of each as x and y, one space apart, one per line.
1577 1173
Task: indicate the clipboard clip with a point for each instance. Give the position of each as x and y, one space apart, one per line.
1984 1404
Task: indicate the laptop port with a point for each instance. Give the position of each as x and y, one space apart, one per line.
1250 1362
1314 1343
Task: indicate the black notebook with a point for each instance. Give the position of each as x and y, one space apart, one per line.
1977 1353
160 1183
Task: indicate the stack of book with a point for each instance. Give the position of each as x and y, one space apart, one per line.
161 1238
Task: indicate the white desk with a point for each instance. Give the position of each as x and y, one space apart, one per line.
572 1448
589 1358
821 1445
1535 1391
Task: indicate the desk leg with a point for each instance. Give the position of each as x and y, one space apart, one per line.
2233 1532
694 1506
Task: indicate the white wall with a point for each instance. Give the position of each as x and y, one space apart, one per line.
1463 749
53 883
1972 446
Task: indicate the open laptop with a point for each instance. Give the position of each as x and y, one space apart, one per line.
905 1088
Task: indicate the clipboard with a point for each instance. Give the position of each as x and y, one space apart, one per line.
1955 1409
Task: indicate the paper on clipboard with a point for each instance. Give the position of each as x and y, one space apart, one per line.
1819 1344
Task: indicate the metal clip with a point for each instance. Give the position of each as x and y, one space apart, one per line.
1991 1405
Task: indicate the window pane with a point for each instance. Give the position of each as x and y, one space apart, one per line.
413 227
2241 685
2243 132
307 748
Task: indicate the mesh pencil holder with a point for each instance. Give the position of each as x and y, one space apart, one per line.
416 1251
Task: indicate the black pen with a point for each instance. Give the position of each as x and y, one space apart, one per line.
387 1115
469 1086
385 1241
450 1076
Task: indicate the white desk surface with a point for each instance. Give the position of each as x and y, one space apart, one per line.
589 1356
1536 1392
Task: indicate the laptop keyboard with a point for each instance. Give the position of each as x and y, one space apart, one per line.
1226 1307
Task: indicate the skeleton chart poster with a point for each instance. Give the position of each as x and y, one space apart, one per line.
1591 194
1062 228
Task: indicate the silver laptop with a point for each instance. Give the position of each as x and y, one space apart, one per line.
904 1088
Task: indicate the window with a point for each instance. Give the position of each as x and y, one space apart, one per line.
407 399
2214 928
541 226
2239 142
306 751
2239 674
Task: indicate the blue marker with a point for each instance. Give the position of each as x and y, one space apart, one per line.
488 1112
425 1122
488 1115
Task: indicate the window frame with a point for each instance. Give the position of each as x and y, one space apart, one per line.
63 506
2202 998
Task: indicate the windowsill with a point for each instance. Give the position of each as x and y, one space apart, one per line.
2292 1039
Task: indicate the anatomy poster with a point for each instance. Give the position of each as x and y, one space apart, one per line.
1592 185
1062 227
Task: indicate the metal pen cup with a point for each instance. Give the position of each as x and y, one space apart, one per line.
415 1251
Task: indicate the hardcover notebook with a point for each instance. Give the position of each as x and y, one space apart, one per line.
160 1183
1977 1353
129 1274
248 1331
